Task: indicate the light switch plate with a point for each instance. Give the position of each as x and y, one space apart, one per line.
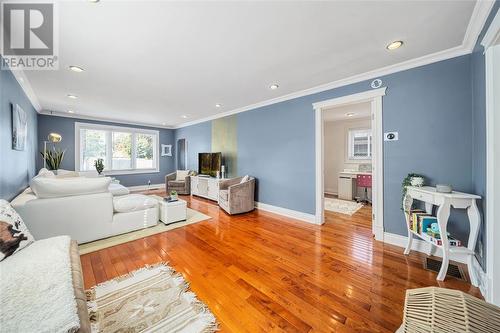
391 136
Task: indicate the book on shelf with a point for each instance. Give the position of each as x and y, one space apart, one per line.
437 241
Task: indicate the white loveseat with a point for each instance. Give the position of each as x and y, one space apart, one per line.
83 208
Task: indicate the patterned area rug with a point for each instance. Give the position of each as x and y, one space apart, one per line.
342 206
192 216
151 299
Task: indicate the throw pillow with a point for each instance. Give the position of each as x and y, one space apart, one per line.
181 175
46 173
244 179
14 235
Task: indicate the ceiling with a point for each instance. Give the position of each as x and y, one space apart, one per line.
356 111
153 62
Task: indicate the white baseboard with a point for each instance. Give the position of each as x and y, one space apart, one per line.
310 218
147 187
420 246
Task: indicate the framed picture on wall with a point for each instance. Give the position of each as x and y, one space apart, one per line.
166 150
19 127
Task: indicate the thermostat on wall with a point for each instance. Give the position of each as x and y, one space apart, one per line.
391 136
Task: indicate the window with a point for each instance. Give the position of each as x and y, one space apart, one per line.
360 144
124 150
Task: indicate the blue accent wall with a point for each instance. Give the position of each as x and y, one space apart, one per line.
478 71
16 167
66 127
199 141
429 106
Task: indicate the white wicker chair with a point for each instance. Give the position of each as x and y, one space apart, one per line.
444 310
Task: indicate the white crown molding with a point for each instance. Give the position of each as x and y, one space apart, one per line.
109 120
476 23
478 18
493 34
26 87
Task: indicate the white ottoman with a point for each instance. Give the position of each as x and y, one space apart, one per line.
174 211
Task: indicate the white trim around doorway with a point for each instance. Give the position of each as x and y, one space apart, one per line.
491 46
375 98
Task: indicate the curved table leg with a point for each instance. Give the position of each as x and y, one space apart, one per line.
442 215
407 203
410 241
475 223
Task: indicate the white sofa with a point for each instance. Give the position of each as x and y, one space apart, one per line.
82 208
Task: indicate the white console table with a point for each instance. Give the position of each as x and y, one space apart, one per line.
445 201
206 187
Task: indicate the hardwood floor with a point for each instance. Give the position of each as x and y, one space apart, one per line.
261 272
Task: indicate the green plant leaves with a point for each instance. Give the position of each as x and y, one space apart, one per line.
53 158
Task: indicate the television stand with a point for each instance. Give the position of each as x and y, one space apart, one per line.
205 186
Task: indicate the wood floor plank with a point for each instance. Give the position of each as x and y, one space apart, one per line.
261 272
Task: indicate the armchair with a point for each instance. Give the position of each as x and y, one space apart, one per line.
181 186
236 197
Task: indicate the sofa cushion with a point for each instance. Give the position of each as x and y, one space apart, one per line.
37 291
54 188
181 174
61 173
14 234
223 194
118 189
176 183
46 173
133 202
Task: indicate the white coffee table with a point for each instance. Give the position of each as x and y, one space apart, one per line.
174 211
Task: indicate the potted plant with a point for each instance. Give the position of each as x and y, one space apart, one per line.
173 195
99 165
53 158
412 179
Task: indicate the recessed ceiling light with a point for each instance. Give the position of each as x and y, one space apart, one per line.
350 114
72 96
76 69
94 1
184 116
394 45
218 105
71 111
273 86
164 124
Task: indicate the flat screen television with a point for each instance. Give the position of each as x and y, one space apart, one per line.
209 163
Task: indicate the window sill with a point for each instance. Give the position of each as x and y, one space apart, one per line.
130 172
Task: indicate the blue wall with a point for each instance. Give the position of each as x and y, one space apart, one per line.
200 141
16 167
478 69
66 127
430 106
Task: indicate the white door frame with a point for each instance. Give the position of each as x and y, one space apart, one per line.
375 98
492 214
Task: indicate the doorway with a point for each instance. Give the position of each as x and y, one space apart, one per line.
491 44
347 151
373 99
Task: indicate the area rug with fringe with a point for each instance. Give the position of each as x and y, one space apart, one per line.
192 216
151 299
342 206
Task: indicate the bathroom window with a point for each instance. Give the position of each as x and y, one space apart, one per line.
360 144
